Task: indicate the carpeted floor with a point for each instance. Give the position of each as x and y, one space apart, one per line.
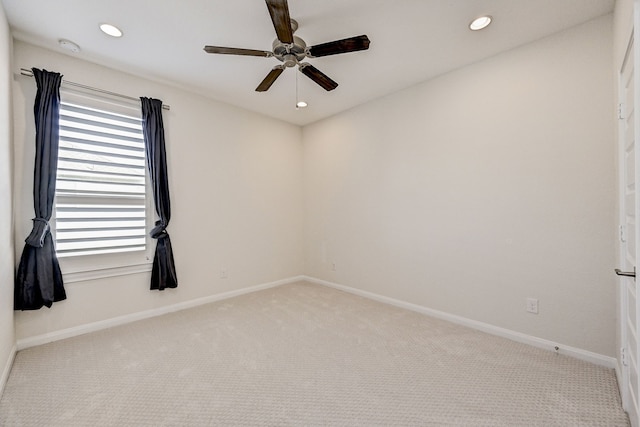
300 355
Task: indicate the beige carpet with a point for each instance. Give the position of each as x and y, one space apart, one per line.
301 355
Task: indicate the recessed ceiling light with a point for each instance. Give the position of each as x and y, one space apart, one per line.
69 45
301 104
111 30
480 23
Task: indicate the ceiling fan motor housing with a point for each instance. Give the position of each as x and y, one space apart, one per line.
289 54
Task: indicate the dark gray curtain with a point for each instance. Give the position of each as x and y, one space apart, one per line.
38 278
163 274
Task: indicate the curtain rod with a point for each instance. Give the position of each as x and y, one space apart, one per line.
29 73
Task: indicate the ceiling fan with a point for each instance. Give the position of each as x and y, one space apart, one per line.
291 50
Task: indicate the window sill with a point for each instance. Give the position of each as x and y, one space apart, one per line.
101 273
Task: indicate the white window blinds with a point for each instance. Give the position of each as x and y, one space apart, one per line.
101 182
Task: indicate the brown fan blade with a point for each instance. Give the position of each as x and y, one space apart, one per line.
279 11
351 44
271 77
237 51
318 76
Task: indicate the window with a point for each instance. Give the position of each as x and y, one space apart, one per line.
101 214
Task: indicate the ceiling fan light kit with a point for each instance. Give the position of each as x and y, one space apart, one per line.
292 50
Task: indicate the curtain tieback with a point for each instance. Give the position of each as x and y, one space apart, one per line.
159 231
38 233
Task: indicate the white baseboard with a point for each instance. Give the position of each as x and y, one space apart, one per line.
121 320
7 369
578 353
581 354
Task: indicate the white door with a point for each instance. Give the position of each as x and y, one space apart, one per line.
629 231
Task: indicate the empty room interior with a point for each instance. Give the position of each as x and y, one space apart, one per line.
319 213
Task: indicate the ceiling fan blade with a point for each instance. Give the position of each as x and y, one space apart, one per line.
279 11
237 51
271 77
351 44
318 76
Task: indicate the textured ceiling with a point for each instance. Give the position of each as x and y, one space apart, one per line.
411 41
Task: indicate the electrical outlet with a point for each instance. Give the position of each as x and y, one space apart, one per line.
224 273
532 305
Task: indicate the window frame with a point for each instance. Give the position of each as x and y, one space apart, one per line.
77 268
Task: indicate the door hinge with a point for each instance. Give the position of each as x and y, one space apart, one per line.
623 234
623 356
620 111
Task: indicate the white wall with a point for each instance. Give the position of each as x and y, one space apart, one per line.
236 195
7 339
471 192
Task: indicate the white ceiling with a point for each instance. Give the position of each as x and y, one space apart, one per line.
411 41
